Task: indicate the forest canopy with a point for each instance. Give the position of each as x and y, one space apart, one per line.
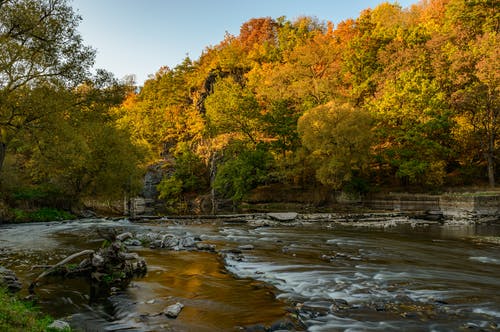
397 98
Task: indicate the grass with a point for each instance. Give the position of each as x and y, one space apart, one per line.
17 315
41 215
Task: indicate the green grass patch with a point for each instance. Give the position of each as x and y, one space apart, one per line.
41 215
17 315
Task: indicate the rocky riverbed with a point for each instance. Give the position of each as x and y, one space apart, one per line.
373 272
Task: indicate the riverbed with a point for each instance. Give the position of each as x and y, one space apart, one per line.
314 276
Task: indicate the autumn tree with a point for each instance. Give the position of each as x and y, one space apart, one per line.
164 112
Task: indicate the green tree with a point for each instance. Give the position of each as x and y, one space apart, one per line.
414 124
242 171
39 47
233 109
80 150
339 138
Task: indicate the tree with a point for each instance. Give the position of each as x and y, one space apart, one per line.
39 47
233 109
81 151
242 170
339 137
473 29
414 125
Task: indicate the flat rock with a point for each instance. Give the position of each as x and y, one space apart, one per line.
282 216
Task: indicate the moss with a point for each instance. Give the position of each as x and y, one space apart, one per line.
17 315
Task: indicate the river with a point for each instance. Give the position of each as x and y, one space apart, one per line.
317 276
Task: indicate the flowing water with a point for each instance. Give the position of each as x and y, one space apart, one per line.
323 276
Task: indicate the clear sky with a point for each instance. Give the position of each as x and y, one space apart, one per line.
140 36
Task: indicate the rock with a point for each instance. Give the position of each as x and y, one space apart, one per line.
156 244
187 242
173 310
133 243
59 325
285 325
170 242
97 260
263 223
338 305
283 216
246 247
205 246
9 280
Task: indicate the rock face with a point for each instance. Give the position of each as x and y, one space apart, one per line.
8 279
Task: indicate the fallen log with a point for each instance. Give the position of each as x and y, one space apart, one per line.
54 267
109 266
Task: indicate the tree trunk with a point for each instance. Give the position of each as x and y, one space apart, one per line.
491 169
3 151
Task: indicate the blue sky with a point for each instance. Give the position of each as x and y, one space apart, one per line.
140 36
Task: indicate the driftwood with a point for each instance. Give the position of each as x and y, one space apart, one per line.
61 263
108 266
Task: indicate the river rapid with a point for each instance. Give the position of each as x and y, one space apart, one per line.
308 276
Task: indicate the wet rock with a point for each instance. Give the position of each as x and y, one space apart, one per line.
148 237
246 247
170 242
173 310
255 328
8 279
187 242
339 304
205 246
313 311
133 243
263 223
284 216
284 325
230 251
156 244
59 325
97 260
471 326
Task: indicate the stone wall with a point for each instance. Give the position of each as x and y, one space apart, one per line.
470 206
404 202
450 206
